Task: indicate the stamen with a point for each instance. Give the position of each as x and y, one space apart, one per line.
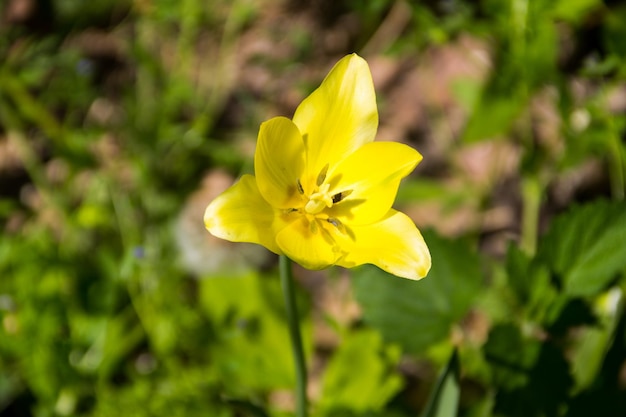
322 175
300 189
336 223
340 196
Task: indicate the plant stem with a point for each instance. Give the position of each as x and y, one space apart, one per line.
286 279
531 194
616 164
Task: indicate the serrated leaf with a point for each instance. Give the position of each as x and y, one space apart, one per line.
586 247
419 314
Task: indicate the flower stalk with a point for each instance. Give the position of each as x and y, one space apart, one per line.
286 280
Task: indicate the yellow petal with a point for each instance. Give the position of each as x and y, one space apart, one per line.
313 249
279 162
369 179
393 244
338 117
240 214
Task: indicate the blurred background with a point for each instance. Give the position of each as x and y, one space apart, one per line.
120 120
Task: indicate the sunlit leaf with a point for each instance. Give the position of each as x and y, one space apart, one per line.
594 341
360 376
574 10
253 348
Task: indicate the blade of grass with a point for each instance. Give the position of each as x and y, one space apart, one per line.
444 399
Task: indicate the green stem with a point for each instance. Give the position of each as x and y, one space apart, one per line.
616 165
531 194
286 279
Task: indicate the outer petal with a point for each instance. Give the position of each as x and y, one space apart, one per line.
240 214
338 117
279 162
311 249
393 244
371 175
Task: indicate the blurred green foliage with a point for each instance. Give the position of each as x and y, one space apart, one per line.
98 317
443 300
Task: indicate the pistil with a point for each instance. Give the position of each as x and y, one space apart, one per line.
319 200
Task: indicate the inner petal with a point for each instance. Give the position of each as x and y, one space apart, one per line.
366 182
311 249
339 117
278 159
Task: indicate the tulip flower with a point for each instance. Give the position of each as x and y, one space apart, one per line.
323 189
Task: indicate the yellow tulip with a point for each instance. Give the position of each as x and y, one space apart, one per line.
323 189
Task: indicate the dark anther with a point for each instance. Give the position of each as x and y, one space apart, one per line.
340 196
322 175
300 189
336 223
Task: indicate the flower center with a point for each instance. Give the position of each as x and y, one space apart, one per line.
319 200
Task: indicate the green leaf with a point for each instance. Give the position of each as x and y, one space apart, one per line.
361 376
594 341
252 350
574 11
493 116
467 92
585 246
615 31
531 376
444 400
536 296
521 278
512 356
419 314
